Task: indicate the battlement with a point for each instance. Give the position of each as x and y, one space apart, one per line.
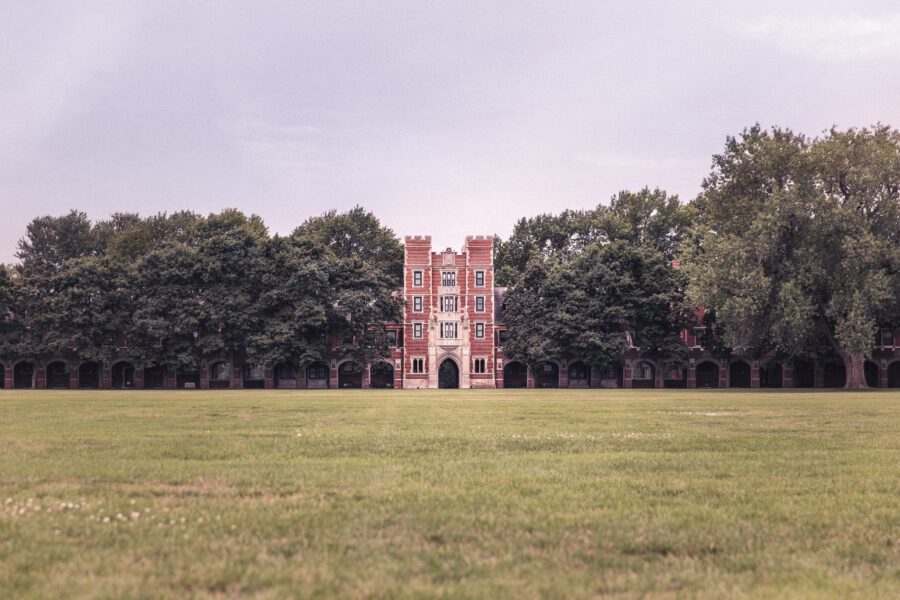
418 238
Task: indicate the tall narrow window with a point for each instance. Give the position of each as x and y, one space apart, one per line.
449 331
887 337
418 365
417 330
448 278
480 365
479 330
417 278
417 303
479 278
479 303
449 303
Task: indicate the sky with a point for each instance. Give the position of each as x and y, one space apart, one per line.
444 118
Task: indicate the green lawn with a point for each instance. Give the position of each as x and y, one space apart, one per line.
515 494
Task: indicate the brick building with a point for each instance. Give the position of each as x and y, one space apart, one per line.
452 335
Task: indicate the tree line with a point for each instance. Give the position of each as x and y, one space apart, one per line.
791 249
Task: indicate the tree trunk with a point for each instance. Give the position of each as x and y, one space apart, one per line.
856 374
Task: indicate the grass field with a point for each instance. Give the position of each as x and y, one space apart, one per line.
674 493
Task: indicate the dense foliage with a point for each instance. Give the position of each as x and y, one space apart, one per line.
181 287
797 243
590 284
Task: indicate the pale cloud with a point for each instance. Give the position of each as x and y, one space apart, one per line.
844 38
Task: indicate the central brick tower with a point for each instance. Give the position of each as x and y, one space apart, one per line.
448 324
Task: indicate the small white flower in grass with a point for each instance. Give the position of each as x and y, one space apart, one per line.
9 501
106 519
135 515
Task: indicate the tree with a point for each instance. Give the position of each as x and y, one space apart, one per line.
293 309
365 265
586 306
796 245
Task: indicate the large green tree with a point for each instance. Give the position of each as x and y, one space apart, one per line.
582 282
796 242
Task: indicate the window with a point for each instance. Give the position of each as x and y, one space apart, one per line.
479 278
417 330
699 332
479 303
391 338
417 278
479 330
609 372
286 371
449 303
577 371
502 336
417 303
887 337
480 365
318 372
220 371
449 331
418 365
448 278
642 371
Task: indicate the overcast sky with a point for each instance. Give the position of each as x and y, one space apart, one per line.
444 118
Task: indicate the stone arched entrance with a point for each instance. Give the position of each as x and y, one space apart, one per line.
89 375
57 374
515 375
448 374
381 375
122 375
707 374
350 375
547 375
739 374
771 375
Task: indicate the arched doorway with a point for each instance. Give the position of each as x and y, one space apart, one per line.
317 376
893 374
579 375
771 375
448 375
611 376
350 375
804 373
675 376
187 379
515 375
23 375
57 375
219 375
89 375
739 374
285 375
154 377
643 374
254 377
707 374
547 375
870 370
835 375
122 375
381 375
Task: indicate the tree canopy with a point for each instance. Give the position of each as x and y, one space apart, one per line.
796 242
